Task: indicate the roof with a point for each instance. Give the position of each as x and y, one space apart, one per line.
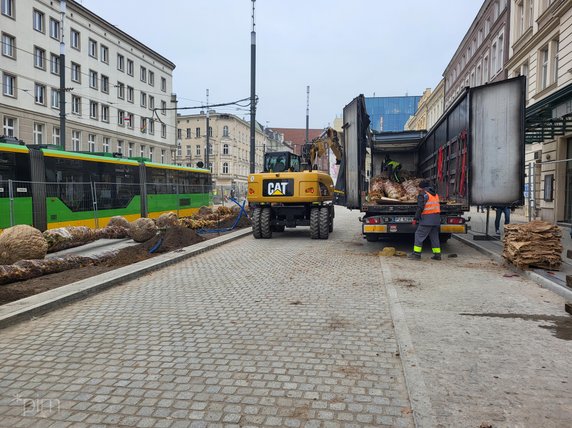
298 135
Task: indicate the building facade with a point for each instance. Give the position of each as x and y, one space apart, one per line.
419 119
390 113
541 50
483 53
430 109
229 154
118 91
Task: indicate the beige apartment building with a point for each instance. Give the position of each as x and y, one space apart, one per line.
113 82
229 142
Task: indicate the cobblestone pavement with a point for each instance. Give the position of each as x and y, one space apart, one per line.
492 346
284 332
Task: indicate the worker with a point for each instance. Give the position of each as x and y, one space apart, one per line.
428 215
393 168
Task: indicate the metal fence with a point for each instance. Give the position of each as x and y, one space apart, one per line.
40 203
223 194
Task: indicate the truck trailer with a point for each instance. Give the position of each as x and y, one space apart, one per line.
473 155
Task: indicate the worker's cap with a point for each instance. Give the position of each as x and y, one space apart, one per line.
424 184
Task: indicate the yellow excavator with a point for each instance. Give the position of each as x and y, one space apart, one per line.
291 191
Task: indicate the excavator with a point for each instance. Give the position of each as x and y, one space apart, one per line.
292 192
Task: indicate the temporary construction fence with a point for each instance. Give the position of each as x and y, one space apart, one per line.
41 203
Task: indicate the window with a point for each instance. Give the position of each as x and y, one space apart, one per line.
163 107
76 141
520 18
210 149
54 29
151 126
55 98
104 54
225 168
130 150
501 52
105 113
225 131
189 133
162 155
485 69
179 133
93 79
143 125
151 78
225 149
8 8
40 94
91 142
189 151
151 102
105 144
495 10
179 150
130 67
75 72
197 132
143 74
75 39
55 64
9 126
76 104
487 26
38 19
120 90
9 85
130 94
39 58
142 151
198 150
56 136
143 99
120 117
38 133
163 131
119 146
92 48
163 84
120 62
129 119
494 59
8 46
93 109
104 84
554 45
210 133
544 60
151 149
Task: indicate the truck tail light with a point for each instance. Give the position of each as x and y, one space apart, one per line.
372 220
455 220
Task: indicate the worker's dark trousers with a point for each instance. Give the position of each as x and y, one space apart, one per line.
421 234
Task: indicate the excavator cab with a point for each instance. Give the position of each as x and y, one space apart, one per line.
281 162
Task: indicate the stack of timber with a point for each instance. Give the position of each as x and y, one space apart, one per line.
534 244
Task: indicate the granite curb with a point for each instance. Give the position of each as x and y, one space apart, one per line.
30 307
533 276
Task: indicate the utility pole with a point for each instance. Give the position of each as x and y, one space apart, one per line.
62 78
252 95
307 112
208 135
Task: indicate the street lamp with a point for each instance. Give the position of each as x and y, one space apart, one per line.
252 94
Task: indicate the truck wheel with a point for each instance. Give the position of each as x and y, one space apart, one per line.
266 223
444 237
371 237
277 228
256 223
314 223
324 222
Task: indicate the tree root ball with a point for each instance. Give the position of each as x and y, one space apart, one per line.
22 242
118 221
167 220
142 229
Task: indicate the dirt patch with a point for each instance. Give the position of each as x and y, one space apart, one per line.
406 282
337 323
350 371
170 240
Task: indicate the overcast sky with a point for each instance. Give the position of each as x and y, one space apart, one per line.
340 48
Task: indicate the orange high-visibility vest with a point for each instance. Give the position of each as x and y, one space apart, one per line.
432 205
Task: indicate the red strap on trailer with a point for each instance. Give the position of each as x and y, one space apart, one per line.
440 164
463 171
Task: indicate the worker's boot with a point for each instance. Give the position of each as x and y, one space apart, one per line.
436 257
414 256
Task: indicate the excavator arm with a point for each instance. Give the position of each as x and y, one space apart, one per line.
319 146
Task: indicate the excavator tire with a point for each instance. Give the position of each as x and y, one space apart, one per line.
315 223
324 222
331 228
266 223
256 223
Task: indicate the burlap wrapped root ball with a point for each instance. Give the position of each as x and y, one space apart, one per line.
142 229
22 242
119 222
166 220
